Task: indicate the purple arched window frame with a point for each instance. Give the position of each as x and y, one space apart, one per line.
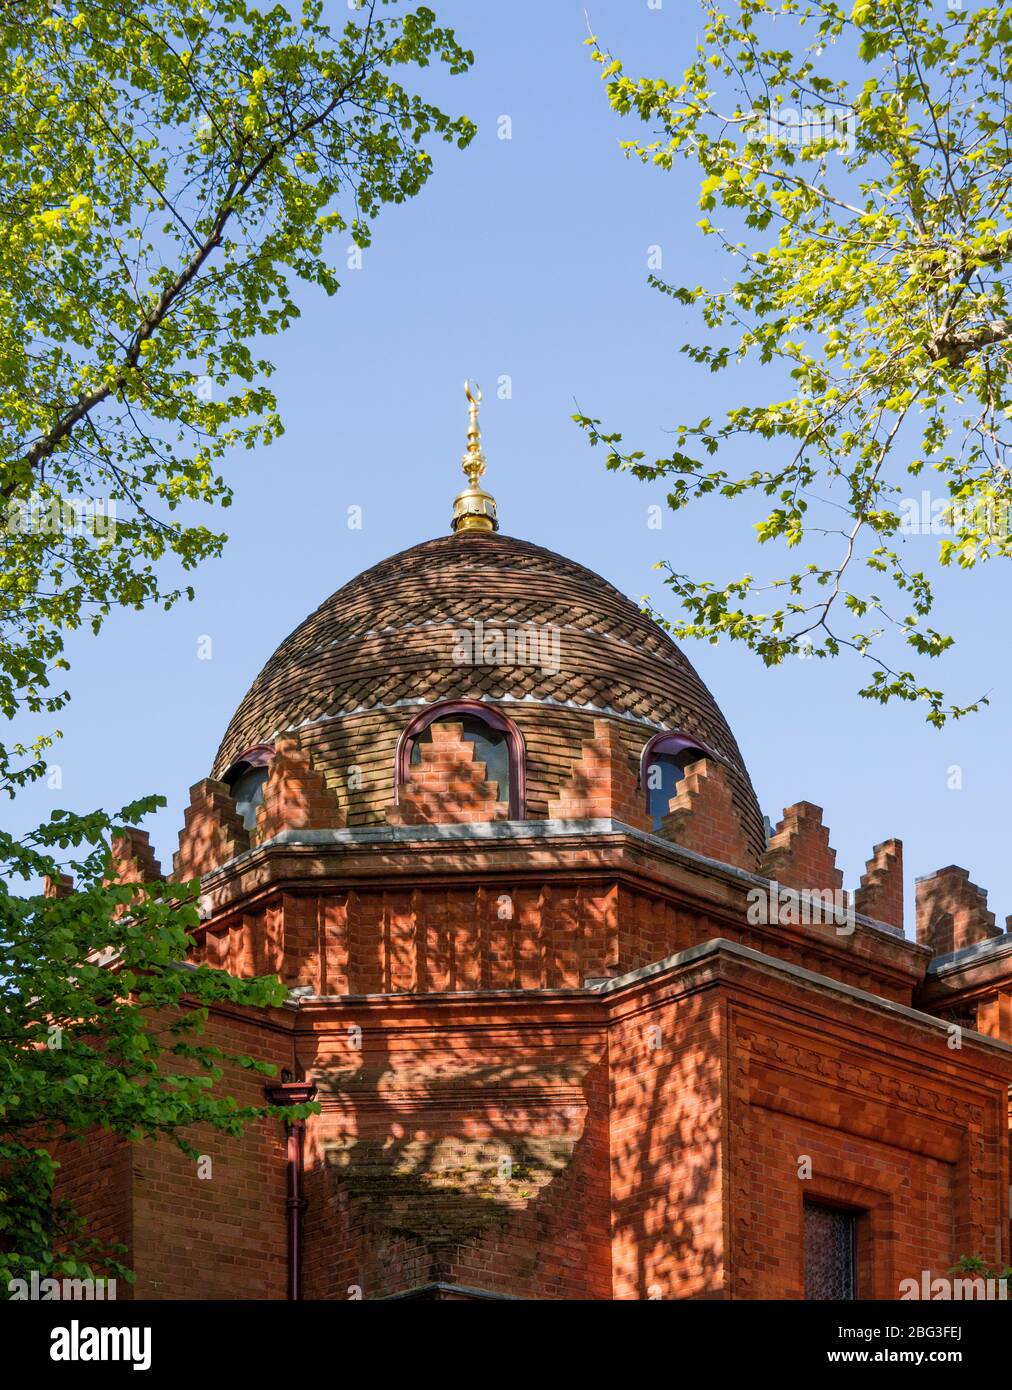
667 743
259 756
516 752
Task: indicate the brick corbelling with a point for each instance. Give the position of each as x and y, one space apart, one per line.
296 795
703 817
656 1127
212 833
880 894
449 785
476 1085
799 854
604 782
952 912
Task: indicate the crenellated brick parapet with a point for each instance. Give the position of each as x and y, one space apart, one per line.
60 887
703 816
132 857
212 834
603 783
952 912
132 860
799 854
880 894
296 795
448 785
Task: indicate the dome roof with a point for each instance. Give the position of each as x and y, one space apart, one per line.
385 642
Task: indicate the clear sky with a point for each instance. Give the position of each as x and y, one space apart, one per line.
527 257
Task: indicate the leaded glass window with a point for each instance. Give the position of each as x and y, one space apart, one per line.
830 1245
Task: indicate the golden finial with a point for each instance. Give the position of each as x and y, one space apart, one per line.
474 509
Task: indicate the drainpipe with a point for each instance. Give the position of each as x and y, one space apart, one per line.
291 1092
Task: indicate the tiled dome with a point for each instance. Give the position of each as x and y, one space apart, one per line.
384 644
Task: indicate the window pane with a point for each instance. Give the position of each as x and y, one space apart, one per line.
829 1252
248 791
663 774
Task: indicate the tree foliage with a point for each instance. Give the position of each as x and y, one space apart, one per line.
854 162
101 1024
169 171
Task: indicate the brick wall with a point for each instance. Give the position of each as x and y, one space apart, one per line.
866 1113
221 1236
465 1145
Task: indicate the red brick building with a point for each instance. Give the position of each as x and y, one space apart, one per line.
581 1026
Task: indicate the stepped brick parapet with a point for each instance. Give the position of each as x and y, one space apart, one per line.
448 784
296 796
952 912
799 854
212 834
702 816
880 894
604 782
556 1055
133 858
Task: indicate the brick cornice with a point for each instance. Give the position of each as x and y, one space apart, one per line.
556 853
716 957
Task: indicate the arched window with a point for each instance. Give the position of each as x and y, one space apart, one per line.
662 767
497 741
245 780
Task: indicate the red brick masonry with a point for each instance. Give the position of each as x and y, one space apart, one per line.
559 1063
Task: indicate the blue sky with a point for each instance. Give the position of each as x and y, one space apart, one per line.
527 257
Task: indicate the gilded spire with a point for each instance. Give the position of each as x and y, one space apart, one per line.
474 509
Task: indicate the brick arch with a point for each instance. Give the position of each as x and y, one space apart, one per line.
495 719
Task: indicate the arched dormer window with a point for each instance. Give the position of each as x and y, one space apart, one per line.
245 780
662 767
498 743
